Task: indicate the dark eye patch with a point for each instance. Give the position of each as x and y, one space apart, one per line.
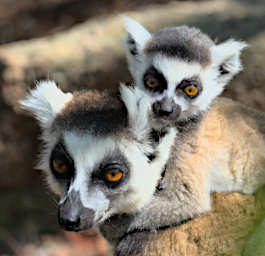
154 74
192 83
114 163
61 156
114 168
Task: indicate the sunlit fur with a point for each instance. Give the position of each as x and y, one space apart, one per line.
45 101
175 69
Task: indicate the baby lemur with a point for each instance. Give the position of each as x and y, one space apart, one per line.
180 68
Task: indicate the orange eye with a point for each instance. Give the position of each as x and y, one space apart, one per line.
191 90
151 82
60 166
113 175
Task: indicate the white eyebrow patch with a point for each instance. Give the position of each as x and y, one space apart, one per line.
88 151
175 70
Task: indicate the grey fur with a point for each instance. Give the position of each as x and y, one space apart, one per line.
186 193
100 112
167 200
187 43
73 215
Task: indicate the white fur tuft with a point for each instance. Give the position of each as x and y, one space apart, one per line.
138 107
136 31
45 101
228 54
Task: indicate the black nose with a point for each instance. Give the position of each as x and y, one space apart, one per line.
73 215
70 225
166 108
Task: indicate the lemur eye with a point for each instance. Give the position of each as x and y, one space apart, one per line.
61 163
113 175
59 166
191 90
151 81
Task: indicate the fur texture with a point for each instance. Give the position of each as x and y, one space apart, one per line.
213 156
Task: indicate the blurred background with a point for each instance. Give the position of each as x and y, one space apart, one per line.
78 44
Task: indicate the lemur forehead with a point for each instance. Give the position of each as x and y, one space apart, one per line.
187 43
97 112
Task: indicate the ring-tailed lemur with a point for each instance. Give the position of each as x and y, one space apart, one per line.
96 158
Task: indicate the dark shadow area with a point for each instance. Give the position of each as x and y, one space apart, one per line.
27 215
45 19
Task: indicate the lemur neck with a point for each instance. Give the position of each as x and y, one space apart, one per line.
189 124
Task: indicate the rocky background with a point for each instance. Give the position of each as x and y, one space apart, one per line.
78 44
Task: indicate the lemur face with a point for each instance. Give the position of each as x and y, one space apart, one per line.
97 178
95 154
180 68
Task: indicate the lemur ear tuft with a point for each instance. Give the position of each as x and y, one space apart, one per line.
137 35
45 102
138 108
226 57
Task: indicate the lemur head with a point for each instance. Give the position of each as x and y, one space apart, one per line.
95 152
181 68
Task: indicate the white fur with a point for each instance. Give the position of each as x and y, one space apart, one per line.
228 55
45 101
88 151
175 71
140 35
138 107
137 31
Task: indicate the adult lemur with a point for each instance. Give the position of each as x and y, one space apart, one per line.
97 153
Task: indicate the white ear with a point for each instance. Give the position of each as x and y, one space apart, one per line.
138 107
226 57
45 101
134 43
137 34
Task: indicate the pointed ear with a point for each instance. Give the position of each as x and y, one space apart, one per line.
137 35
45 101
226 58
134 43
138 108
